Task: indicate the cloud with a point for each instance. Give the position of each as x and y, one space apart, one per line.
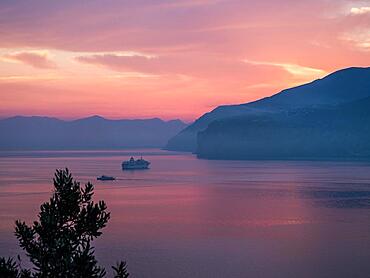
21 78
119 54
145 24
125 63
36 59
360 10
183 53
218 73
191 65
297 70
158 65
354 30
359 38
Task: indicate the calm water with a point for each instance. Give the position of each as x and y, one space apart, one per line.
196 218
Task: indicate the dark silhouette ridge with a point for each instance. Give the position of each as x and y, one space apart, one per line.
337 132
340 87
30 133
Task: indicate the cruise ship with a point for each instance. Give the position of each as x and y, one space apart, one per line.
137 164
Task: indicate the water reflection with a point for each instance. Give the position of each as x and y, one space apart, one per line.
189 217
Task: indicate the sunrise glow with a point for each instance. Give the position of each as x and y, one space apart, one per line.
141 59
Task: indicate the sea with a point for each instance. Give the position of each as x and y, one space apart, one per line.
187 217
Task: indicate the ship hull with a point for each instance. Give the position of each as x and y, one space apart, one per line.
106 179
135 167
132 164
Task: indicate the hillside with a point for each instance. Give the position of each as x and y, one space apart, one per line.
338 132
29 133
340 87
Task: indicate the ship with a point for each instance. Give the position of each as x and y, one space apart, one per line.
105 178
137 164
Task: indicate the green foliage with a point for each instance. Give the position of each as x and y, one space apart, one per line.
59 243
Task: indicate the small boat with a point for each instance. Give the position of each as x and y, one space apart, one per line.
105 178
137 164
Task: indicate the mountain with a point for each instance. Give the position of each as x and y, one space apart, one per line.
341 131
340 87
88 133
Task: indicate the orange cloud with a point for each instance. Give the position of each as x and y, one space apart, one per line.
360 10
360 39
124 62
169 58
297 70
36 59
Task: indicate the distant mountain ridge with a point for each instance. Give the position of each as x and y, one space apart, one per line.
95 132
337 132
340 87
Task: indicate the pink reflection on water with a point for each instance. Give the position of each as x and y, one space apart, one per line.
272 213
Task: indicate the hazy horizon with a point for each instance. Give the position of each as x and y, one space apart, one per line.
186 121
92 116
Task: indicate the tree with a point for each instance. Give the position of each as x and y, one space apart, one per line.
59 243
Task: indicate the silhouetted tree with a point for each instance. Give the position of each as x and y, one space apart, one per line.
10 269
120 270
59 243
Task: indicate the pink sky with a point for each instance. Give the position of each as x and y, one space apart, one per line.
169 59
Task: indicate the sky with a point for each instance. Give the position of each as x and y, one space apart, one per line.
169 59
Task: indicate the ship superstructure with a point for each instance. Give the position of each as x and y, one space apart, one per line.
135 164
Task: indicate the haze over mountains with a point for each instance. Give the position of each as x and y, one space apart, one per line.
311 133
328 117
30 133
